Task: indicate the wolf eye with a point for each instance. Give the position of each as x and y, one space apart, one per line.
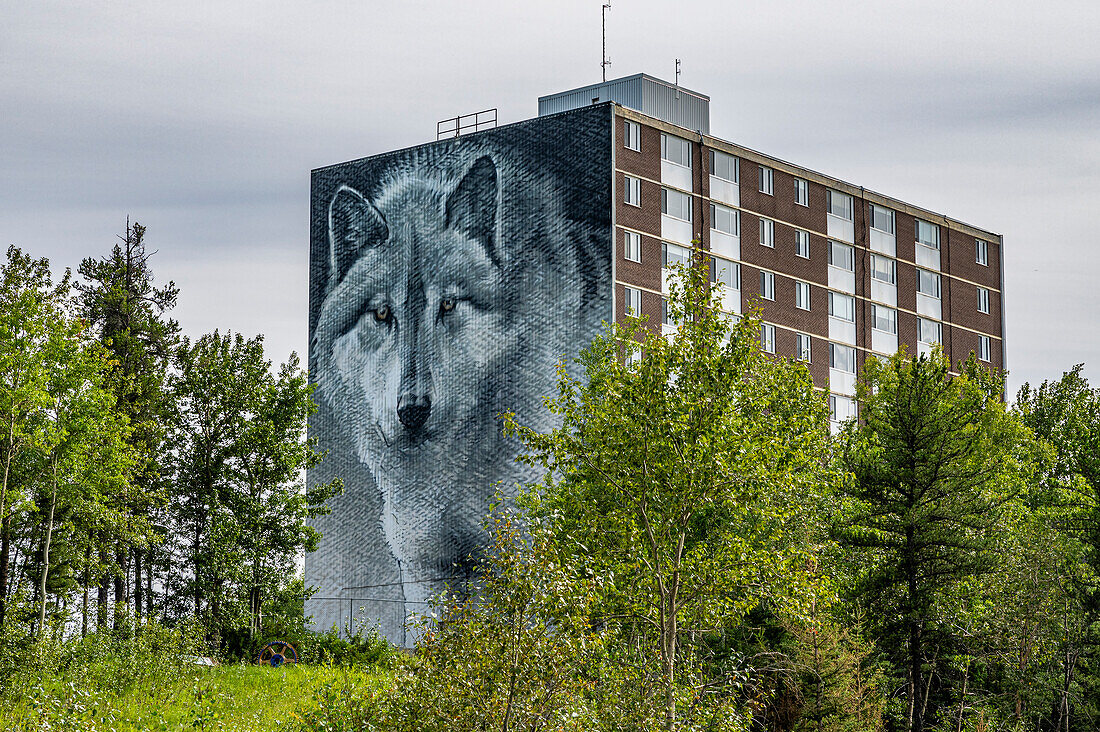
447 305
382 313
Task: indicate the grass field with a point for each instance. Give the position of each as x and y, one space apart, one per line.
230 698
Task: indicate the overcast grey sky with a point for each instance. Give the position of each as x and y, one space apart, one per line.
202 121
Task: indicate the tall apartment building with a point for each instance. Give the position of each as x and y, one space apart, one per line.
447 279
839 272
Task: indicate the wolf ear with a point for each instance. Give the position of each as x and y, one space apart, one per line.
472 205
353 225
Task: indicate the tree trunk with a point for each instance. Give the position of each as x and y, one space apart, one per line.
149 587
5 556
103 589
46 555
84 595
121 596
137 584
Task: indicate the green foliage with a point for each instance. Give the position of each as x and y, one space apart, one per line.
935 457
689 481
239 510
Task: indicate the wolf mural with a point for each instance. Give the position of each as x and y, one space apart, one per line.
455 276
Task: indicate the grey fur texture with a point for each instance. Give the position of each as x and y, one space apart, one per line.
454 283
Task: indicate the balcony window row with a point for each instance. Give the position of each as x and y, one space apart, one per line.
676 150
676 204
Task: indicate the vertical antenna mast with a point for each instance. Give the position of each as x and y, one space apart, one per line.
605 61
677 78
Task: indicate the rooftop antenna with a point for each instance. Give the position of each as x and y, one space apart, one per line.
677 78
605 61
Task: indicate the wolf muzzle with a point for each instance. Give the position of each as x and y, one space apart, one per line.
413 411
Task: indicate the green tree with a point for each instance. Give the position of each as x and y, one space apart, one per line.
689 479
127 312
1066 415
239 507
934 458
32 335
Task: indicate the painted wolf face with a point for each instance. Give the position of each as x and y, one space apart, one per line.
438 316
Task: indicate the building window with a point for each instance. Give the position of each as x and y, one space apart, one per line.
767 232
981 252
725 272
839 204
983 300
802 243
928 283
767 285
632 246
802 347
767 337
841 409
673 254
676 150
801 192
928 234
633 354
842 256
929 331
842 358
802 295
983 348
633 301
666 315
632 135
765 180
725 219
882 219
632 190
883 269
723 166
842 307
676 204
884 319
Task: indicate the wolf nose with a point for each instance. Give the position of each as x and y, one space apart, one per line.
413 411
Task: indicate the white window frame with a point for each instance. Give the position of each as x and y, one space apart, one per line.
632 246
934 241
932 277
803 347
981 252
676 249
984 350
850 305
802 295
892 266
873 215
733 268
887 315
832 198
632 301
668 142
736 164
850 355
671 193
767 179
983 300
767 338
632 191
801 192
924 324
733 216
632 136
802 243
767 285
767 232
849 265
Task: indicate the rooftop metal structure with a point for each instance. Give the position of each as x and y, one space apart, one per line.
642 92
